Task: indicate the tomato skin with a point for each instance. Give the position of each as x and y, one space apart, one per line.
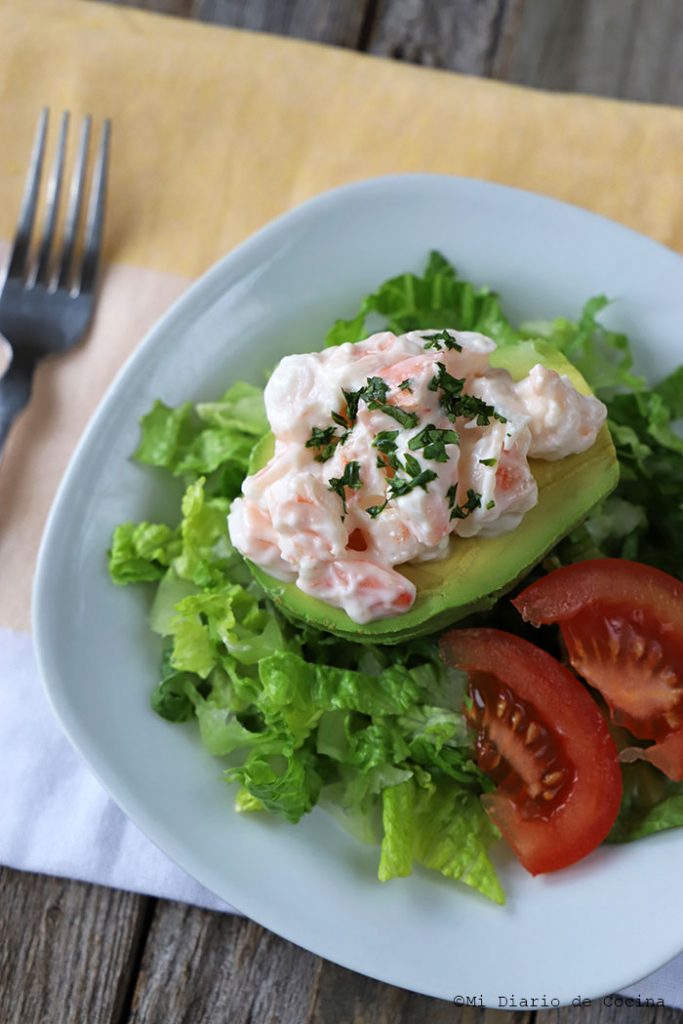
622 625
546 834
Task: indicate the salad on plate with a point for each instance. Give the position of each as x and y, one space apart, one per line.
405 508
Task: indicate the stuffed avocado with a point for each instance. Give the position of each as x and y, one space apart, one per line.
476 570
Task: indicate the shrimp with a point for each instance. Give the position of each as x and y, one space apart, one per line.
251 531
366 591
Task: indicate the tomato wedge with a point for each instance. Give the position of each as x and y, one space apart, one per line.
622 624
544 742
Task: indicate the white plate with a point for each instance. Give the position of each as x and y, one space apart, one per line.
583 932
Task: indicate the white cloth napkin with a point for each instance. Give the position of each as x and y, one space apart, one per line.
57 819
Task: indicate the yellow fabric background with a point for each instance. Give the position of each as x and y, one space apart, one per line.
216 131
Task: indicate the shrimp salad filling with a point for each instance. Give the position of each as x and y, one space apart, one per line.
387 448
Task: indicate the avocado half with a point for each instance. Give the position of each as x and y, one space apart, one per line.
476 571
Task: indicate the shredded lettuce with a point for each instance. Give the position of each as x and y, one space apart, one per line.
140 553
643 518
650 803
374 735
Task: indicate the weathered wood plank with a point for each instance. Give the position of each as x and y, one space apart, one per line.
338 22
631 49
68 950
209 967
460 35
325 21
179 8
201 966
610 1010
344 996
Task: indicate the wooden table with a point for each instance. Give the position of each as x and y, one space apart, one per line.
72 953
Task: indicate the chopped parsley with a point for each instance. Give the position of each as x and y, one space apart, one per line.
490 504
375 390
340 420
433 441
462 511
406 419
352 399
449 384
412 465
374 394
325 440
349 478
441 336
488 462
385 441
406 385
400 486
456 403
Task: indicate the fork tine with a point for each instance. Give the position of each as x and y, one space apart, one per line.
73 213
27 215
54 189
95 221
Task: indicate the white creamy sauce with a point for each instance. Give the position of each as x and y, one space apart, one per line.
304 517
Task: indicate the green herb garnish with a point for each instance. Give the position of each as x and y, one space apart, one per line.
433 441
412 465
462 511
456 403
400 486
385 441
374 510
442 336
325 440
349 478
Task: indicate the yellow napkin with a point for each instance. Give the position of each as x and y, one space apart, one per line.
217 131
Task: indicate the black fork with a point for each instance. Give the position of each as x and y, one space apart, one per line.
47 303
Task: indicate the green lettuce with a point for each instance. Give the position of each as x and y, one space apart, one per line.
643 518
214 436
443 827
650 803
438 298
141 552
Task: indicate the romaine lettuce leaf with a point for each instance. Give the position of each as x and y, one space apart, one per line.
443 827
219 434
288 784
141 552
398 822
439 298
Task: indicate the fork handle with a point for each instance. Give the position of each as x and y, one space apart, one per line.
15 391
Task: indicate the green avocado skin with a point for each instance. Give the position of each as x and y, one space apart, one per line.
476 572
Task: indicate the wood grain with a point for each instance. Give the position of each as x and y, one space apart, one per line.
68 951
632 49
610 1010
339 22
460 35
201 966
